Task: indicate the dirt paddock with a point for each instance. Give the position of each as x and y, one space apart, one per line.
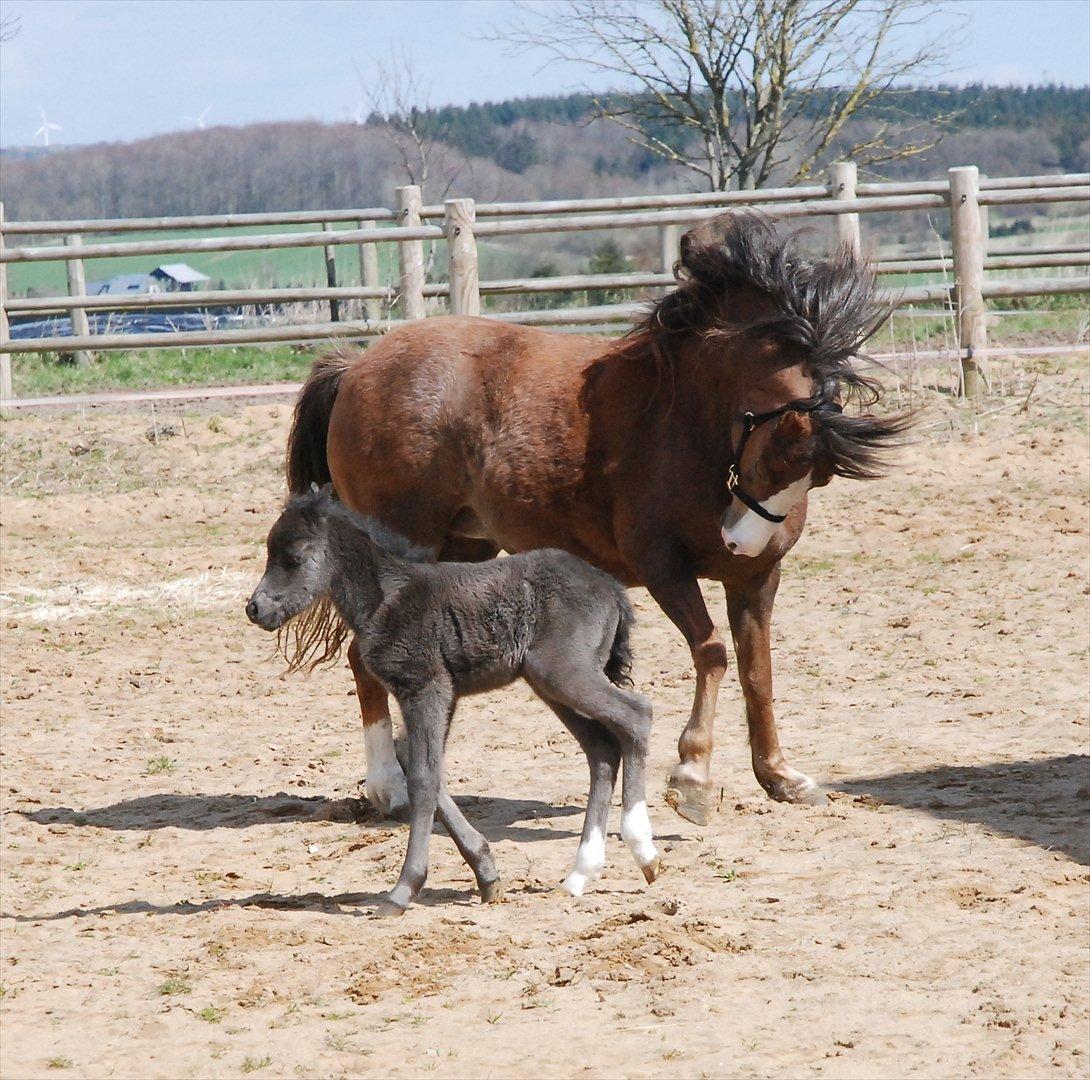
188 873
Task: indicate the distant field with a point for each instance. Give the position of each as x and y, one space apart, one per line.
238 269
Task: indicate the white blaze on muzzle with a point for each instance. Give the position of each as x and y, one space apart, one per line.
750 534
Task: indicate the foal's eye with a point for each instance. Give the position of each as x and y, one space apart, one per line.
293 559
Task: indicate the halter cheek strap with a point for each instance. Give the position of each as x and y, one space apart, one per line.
750 423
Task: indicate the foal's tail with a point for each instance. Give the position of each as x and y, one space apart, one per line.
619 664
306 459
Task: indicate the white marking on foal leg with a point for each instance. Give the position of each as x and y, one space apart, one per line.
590 860
636 831
385 786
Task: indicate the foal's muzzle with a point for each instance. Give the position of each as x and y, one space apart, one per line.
262 612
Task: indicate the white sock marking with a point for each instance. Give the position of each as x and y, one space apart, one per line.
385 786
636 831
590 860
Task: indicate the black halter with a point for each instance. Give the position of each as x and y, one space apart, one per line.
750 423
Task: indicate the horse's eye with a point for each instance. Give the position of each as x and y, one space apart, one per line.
293 559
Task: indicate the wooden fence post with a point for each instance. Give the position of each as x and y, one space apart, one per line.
372 309
842 180
331 274
411 254
465 293
77 286
669 246
5 336
968 249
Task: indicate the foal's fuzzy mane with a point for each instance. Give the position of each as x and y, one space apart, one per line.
826 309
315 636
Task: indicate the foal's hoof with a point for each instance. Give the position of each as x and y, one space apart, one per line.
651 870
387 908
690 798
790 786
492 892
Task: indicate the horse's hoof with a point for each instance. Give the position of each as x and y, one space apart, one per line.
492 892
689 798
651 870
791 786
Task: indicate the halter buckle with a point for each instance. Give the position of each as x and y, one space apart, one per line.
732 478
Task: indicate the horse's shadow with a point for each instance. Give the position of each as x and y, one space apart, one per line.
1043 802
497 818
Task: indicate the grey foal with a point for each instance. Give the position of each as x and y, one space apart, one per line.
433 632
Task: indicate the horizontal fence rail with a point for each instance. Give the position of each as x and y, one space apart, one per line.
963 261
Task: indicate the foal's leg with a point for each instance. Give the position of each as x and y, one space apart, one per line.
750 613
603 756
625 716
471 845
427 717
385 785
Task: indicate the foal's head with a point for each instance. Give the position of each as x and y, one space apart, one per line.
771 336
297 570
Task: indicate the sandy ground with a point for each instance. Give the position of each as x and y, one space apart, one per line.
188 874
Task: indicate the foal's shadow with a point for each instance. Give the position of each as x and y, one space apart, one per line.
355 904
497 818
1044 801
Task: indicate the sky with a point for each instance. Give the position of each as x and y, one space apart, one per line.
118 70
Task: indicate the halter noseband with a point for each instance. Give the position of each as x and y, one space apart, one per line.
750 423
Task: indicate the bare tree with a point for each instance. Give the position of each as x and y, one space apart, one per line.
736 90
399 99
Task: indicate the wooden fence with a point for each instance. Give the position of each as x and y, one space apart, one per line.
964 194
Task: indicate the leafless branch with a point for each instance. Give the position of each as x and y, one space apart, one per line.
727 88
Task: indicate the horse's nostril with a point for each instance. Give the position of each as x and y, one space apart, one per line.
732 546
251 610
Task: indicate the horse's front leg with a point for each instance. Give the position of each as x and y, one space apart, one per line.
690 786
749 609
385 785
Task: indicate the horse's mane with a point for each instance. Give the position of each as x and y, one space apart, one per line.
825 308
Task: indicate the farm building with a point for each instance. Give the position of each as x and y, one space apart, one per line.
170 277
177 277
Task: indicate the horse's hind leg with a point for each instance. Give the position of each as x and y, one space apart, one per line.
471 845
385 785
603 756
427 715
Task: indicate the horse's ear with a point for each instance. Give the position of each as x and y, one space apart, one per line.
792 428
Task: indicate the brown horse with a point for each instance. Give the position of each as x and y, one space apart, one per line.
682 451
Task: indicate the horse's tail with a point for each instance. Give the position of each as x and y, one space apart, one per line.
619 664
306 458
316 635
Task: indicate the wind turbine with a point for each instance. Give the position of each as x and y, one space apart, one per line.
199 120
46 128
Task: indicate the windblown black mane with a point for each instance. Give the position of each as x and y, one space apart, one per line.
825 308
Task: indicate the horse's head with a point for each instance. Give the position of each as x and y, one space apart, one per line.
774 335
297 569
778 458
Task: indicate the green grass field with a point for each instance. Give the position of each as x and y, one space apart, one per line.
36 375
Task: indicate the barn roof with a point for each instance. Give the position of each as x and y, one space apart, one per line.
123 283
181 273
